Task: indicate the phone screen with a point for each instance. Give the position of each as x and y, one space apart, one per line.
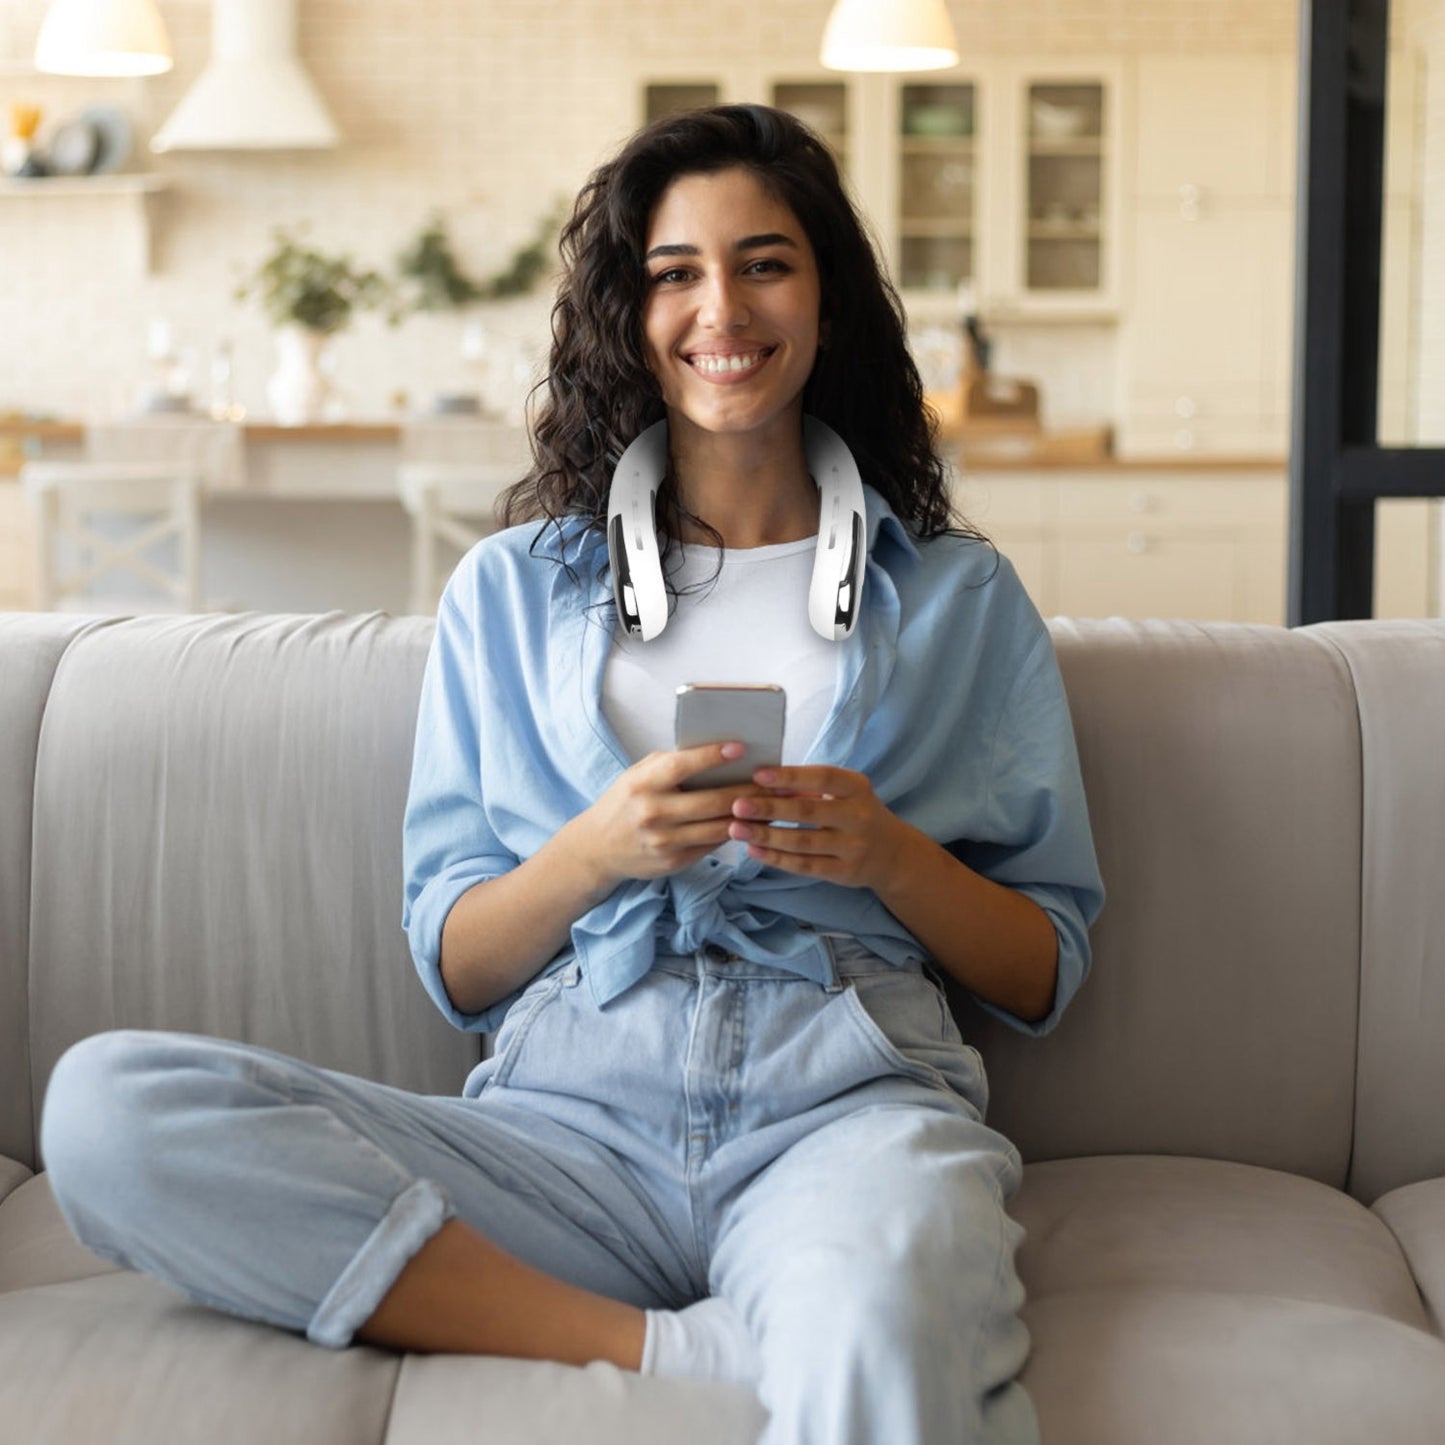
752 714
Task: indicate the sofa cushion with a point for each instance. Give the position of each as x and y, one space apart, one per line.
1138 1222
280 926
1189 1367
122 1359
440 1400
1222 768
12 1175
1416 1216
36 1245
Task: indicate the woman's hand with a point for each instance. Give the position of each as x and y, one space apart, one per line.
645 825
848 836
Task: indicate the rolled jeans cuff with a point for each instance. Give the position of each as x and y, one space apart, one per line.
413 1217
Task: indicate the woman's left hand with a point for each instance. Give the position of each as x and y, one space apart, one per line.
848 836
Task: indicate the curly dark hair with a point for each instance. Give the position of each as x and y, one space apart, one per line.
599 394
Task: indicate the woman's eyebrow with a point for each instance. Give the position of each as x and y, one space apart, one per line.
748 243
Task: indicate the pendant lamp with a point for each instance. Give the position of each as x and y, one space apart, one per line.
103 37
889 35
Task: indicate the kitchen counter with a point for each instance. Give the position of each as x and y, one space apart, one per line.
971 461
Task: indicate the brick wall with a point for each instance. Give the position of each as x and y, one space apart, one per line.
486 109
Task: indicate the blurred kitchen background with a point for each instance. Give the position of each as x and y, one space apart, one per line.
1090 219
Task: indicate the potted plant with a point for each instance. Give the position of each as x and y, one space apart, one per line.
309 297
432 279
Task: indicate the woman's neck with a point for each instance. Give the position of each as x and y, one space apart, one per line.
754 490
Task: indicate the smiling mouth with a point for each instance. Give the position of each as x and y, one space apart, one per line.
711 364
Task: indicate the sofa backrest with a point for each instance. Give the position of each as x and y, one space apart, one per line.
217 843
216 820
1222 768
31 646
1398 673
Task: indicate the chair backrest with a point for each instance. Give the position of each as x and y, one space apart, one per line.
212 451
452 474
97 520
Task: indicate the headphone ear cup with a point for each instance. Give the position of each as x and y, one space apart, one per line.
632 551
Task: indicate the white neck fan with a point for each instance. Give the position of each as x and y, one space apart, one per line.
635 557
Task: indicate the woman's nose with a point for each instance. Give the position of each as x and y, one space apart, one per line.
722 307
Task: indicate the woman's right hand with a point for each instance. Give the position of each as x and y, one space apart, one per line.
646 825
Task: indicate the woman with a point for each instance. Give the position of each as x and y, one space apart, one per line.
728 1127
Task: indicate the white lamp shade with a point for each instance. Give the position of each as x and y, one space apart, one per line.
103 37
889 35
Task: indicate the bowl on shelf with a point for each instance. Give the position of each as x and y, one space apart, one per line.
1056 122
937 120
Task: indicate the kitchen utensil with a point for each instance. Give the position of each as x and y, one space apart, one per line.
73 148
114 136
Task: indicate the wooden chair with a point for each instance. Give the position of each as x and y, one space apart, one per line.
451 476
75 548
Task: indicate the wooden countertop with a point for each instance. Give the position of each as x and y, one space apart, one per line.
256 431
389 433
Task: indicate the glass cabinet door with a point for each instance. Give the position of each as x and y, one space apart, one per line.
936 183
1064 187
822 106
670 97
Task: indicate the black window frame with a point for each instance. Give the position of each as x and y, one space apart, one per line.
1337 468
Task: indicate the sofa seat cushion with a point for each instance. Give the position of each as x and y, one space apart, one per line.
1124 1364
122 1358
1181 1301
1416 1216
452 1400
12 1175
36 1245
1156 1223
98 1354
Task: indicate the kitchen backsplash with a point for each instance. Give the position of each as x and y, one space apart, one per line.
487 112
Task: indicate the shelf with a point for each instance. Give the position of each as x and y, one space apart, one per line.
930 145
122 183
142 187
1083 146
932 228
1065 231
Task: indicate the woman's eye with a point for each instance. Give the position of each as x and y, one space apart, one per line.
671 276
768 266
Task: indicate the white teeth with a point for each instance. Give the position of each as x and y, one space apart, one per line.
726 363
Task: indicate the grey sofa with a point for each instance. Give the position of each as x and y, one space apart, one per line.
1235 1188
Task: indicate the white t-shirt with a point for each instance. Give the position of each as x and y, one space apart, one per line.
751 625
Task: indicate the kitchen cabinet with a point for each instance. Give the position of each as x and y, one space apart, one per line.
1103 542
1205 335
1191 540
1003 178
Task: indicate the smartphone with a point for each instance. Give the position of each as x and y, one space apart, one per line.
750 713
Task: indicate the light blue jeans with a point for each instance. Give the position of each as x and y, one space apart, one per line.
814 1154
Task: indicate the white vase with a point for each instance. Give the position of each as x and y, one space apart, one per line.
298 389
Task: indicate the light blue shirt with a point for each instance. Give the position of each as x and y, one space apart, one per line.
948 698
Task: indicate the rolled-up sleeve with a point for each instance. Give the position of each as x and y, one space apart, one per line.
1038 837
448 844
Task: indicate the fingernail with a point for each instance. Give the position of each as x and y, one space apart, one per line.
733 750
765 776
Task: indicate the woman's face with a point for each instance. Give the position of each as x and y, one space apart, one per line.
730 323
